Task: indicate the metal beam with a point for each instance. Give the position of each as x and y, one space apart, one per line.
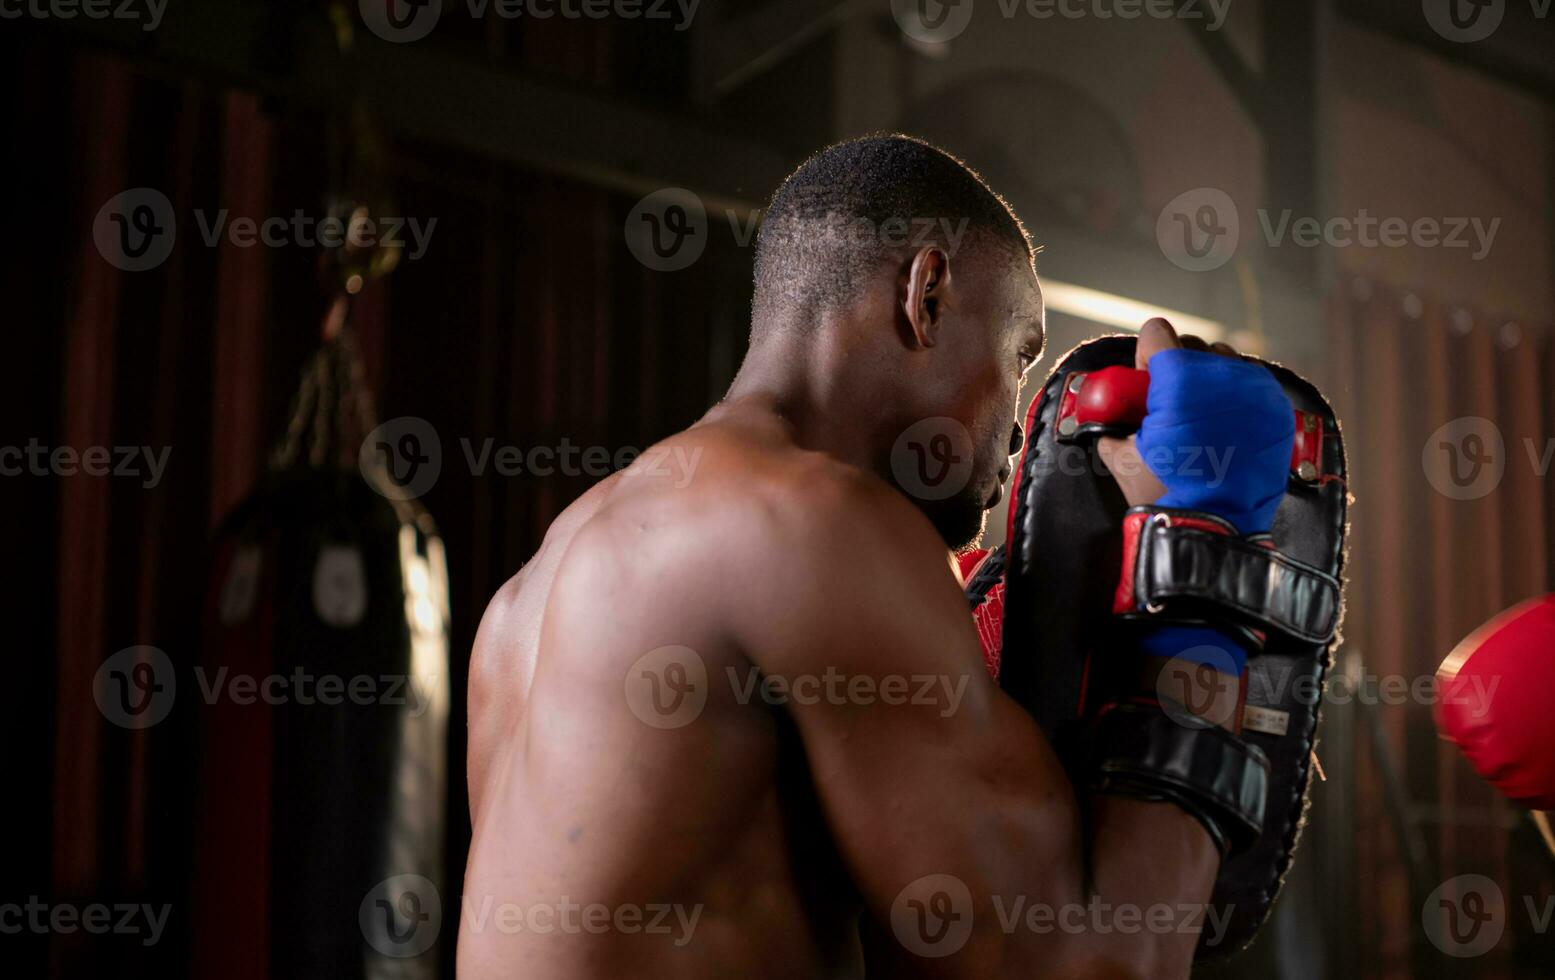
1292 49
1245 85
1518 51
1284 104
423 91
741 47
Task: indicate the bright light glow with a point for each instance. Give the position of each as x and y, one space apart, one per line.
1126 314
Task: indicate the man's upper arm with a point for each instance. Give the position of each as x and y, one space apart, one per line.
922 765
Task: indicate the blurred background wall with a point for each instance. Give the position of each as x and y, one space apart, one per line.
530 319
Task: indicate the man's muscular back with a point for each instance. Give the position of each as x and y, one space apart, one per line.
623 759
706 829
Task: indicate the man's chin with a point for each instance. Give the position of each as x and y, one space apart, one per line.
960 523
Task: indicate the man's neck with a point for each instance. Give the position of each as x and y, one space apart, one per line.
806 380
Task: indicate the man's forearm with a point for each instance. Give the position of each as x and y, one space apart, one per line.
1147 858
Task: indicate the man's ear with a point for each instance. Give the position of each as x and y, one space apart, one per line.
923 291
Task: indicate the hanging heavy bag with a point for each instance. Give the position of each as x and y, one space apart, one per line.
321 816
1070 609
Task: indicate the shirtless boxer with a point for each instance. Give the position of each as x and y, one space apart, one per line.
782 832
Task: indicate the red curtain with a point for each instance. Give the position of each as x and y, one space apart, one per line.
527 322
1424 388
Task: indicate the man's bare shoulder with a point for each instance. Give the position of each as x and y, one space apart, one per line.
788 542
732 513
743 490
514 599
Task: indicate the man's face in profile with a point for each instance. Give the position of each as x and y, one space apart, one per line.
992 333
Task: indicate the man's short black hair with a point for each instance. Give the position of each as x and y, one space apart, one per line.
857 204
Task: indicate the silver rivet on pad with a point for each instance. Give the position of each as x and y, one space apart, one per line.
1306 470
1067 426
1076 383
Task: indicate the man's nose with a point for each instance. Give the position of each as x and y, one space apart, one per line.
1017 439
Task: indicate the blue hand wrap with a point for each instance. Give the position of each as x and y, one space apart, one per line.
1195 645
1218 432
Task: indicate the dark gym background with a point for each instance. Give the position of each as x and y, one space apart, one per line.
529 320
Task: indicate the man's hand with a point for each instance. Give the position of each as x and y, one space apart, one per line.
1121 456
1216 440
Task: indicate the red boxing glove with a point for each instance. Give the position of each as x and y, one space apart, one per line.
1496 700
987 602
